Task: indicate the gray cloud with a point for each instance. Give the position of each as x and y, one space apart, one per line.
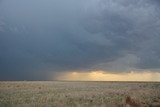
40 37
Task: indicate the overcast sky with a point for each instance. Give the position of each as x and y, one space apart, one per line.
39 37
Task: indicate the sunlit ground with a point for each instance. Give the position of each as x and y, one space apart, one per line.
106 76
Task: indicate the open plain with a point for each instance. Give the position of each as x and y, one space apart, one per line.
78 94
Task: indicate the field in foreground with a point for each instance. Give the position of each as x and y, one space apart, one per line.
77 94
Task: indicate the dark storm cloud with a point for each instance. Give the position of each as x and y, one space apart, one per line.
40 37
133 27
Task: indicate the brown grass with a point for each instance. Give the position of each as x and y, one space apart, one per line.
79 94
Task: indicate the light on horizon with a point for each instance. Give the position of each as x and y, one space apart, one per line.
107 76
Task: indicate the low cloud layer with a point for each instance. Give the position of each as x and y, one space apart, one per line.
40 37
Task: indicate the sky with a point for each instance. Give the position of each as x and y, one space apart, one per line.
80 40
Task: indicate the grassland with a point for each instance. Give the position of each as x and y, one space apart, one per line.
76 94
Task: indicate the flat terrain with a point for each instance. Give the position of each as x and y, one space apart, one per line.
77 94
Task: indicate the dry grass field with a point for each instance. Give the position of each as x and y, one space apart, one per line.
79 94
